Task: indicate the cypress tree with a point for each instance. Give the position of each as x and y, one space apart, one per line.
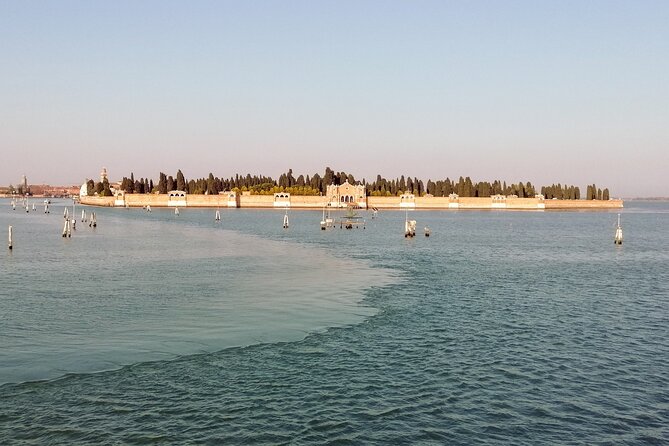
162 183
181 181
106 191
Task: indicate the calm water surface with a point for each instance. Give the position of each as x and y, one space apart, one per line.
502 327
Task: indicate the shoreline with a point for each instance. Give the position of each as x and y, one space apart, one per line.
320 202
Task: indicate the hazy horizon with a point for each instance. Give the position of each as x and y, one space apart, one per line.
114 179
548 92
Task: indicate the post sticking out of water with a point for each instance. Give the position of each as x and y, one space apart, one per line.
67 231
285 220
409 226
427 231
83 215
10 242
33 206
618 239
46 208
148 208
176 211
93 220
218 215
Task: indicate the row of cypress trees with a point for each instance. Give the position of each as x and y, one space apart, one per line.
317 184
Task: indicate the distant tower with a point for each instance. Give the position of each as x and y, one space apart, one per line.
103 175
24 184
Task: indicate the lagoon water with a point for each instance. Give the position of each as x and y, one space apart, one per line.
502 327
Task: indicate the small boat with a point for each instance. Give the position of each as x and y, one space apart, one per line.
327 221
351 219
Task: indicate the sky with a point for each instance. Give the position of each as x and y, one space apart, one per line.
571 92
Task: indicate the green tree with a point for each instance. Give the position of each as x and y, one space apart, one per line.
106 191
431 187
328 179
181 181
162 183
211 185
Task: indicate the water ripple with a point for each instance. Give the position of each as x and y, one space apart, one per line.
470 348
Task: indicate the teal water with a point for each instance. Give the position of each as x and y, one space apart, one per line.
502 327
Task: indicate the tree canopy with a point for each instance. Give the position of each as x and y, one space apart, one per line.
316 184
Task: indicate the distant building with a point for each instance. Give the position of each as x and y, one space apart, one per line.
498 201
119 198
232 198
23 186
345 195
408 201
282 200
103 175
176 198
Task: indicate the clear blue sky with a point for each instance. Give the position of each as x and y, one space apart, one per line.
566 91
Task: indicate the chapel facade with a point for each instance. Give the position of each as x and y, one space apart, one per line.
345 195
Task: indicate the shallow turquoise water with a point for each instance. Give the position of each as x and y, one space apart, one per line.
502 327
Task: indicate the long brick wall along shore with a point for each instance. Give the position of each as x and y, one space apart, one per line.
318 202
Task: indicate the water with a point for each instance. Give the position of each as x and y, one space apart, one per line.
502 327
